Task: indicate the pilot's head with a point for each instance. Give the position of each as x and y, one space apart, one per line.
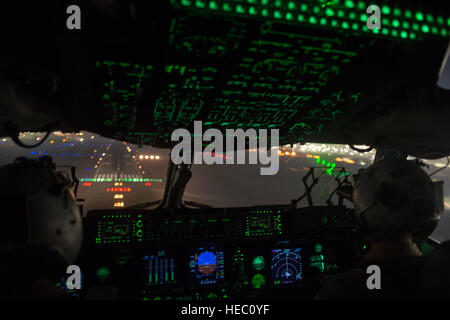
393 197
38 208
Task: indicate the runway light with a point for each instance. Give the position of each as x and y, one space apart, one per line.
146 157
87 184
141 157
103 154
152 157
118 189
148 184
157 157
118 196
118 204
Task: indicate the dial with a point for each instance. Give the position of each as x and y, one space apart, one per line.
287 266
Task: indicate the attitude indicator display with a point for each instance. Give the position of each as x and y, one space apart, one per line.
207 265
286 266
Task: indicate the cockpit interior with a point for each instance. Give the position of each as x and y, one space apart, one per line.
97 89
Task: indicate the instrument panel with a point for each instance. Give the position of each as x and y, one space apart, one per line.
212 254
124 227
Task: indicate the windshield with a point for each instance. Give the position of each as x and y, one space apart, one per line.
111 173
117 174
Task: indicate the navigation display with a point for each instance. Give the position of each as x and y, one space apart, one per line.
287 266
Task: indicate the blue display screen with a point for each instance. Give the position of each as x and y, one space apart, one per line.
287 266
206 265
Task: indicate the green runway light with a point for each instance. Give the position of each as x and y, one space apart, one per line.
385 10
329 165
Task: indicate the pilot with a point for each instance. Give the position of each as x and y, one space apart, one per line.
42 229
395 200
